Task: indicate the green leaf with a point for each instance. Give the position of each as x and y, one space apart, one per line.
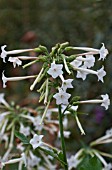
89 163
22 137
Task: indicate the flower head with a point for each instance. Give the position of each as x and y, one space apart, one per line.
55 70
103 52
106 101
36 141
15 61
62 97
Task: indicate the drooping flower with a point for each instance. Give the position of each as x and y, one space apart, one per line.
5 79
36 141
101 73
82 72
103 52
24 130
15 61
62 97
55 70
106 101
5 53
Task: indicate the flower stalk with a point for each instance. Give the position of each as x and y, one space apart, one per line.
62 138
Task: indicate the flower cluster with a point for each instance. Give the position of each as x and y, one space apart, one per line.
56 77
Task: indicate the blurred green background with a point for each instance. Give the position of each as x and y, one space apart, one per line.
28 23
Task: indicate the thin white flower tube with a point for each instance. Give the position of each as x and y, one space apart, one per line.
102 51
36 80
5 53
27 58
100 158
6 79
104 102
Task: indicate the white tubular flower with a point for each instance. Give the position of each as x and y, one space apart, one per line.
66 134
5 53
24 130
101 73
36 122
23 158
81 74
33 160
36 141
108 167
3 101
55 70
76 63
89 61
72 162
15 61
109 132
62 97
2 115
103 52
5 79
67 84
20 147
106 101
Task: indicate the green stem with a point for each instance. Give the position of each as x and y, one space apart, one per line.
62 138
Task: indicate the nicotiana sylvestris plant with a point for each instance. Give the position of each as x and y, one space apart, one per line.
57 65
